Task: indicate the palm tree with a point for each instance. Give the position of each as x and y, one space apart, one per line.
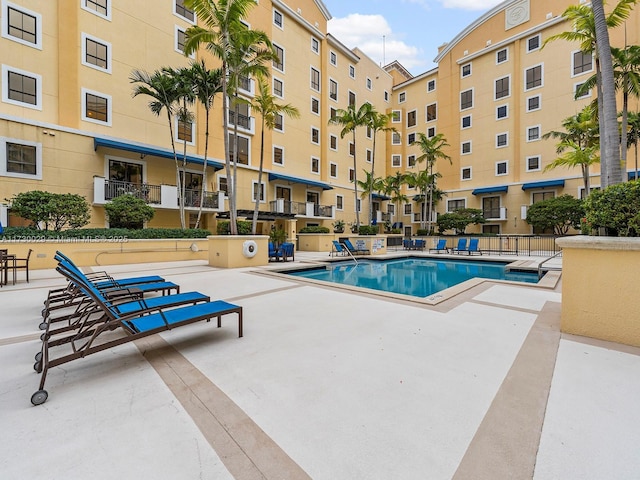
392 187
350 119
431 149
161 87
378 122
369 186
227 38
585 31
265 103
580 133
206 84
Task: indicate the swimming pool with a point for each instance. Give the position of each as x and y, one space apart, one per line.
418 277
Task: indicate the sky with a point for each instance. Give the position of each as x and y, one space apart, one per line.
409 31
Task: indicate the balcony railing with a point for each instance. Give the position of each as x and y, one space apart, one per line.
246 84
244 121
305 209
192 199
149 193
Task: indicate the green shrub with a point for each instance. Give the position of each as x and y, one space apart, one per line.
128 211
460 219
18 233
55 210
616 208
244 227
423 232
314 230
368 230
558 213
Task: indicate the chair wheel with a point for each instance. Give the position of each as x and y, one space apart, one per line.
38 356
38 366
43 326
43 312
39 397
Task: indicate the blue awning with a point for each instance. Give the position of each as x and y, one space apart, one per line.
496 189
546 184
150 150
303 181
378 196
633 175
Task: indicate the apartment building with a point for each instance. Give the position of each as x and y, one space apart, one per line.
68 122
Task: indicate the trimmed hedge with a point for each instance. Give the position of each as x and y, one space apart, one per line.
20 233
314 230
244 227
368 230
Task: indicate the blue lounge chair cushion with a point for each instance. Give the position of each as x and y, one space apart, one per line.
178 315
160 302
130 281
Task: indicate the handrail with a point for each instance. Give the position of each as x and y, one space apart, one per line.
349 252
545 261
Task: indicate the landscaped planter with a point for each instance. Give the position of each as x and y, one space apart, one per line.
599 288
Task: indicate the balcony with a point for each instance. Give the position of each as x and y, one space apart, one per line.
381 217
158 196
417 217
245 85
244 122
302 209
495 214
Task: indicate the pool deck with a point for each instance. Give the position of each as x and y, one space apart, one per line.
326 383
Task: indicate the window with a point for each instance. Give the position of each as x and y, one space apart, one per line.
533 133
352 98
395 116
502 55
278 87
408 208
411 161
465 70
315 165
431 132
181 39
533 43
411 118
369 132
502 140
333 170
184 130
98 7
333 58
369 84
333 90
315 45
576 92
223 186
465 173
582 62
396 139
396 161
352 175
21 88
21 25
96 107
339 202
411 138
278 62
368 156
352 71
431 85
315 135
333 142
184 12
402 97
466 99
315 79
533 103
332 113
257 188
501 168
278 155
466 121
97 53
502 88
456 204
315 106
352 149
278 19
502 112
22 159
540 196
391 208
465 148
432 112
533 77
386 96
278 122
533 163
243 149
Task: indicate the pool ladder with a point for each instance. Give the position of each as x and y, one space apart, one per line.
350 254
540 272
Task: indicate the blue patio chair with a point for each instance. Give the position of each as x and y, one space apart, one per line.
473 247
337 249
273 252
419 244
407 244
354 250
441 246
285 251
462 246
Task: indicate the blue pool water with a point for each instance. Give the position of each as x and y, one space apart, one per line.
419 277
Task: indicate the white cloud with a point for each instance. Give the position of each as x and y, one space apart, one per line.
373 35
470 4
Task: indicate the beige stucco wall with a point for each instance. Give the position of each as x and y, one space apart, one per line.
227 251
599 298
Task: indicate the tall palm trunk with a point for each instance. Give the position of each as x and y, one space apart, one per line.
204 166
355 182
256 208
233 228
175 158
373 163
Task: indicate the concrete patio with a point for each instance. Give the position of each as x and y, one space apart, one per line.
325 384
